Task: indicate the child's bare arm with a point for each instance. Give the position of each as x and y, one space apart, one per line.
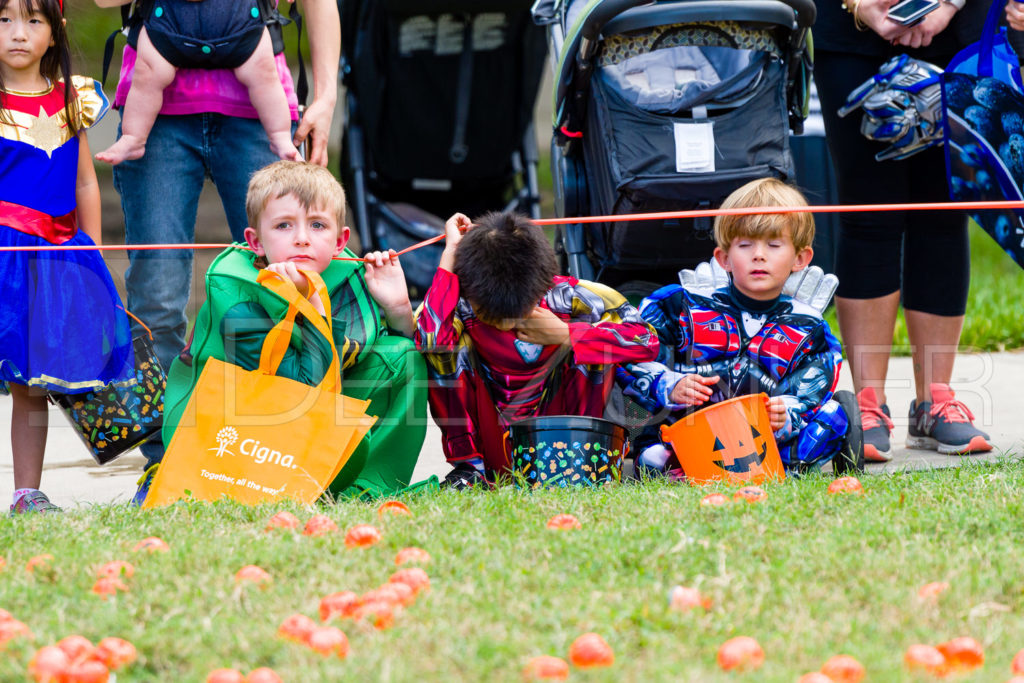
693 390
111 3
385 280
543 327
454 228
87 193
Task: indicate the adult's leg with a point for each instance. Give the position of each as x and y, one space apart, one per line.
29 422
393 377
259 75
236 148
159 197
152 74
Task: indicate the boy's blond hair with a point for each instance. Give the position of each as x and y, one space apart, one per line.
765 192
314 186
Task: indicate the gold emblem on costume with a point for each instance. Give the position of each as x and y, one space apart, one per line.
47 132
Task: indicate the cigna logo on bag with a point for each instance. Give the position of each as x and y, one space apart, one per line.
228 436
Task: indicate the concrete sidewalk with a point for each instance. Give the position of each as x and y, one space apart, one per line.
986 383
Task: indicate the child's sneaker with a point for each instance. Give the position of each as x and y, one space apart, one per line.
877 423
33 501
945 424
144 482
463 477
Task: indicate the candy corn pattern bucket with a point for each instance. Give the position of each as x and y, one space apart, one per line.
567 450
728 441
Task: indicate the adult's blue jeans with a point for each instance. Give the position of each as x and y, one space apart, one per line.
160 198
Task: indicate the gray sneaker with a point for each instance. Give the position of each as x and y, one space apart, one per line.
34 501
945 425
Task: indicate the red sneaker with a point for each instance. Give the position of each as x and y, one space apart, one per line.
945 424
877 424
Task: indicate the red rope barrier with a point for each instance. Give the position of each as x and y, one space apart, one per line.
664 215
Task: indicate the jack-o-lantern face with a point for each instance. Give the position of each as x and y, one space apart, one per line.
746 455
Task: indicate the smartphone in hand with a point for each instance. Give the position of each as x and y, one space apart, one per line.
910 12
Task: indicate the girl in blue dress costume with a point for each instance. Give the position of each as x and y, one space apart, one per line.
61 328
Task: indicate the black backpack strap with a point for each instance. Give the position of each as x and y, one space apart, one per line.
127 16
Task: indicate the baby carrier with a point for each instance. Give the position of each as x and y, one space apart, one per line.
439 98
667 105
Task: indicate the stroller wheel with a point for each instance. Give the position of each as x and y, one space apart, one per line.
851 456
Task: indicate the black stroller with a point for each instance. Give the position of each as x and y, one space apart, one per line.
440 98
667 105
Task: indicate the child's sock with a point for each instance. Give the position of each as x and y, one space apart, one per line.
476 461
20 493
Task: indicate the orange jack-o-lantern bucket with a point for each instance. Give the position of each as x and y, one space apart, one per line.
727 441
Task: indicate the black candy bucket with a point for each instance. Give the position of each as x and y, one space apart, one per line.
115 419
567 450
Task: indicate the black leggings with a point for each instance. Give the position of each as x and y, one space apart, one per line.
923 254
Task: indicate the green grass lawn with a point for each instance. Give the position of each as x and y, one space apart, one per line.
807 574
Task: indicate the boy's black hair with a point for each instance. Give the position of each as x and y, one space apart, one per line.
56 62
505 264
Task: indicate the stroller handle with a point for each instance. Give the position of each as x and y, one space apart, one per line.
779 12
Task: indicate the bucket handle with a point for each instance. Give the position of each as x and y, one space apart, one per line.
136 319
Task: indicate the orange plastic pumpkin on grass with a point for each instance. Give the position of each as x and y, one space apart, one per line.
546 668
844 669
847 485
1017 665
362 536
684 599
225 676
393 507
11 629
591 651
414 577
319 525
564 521
5 616
714 500
404 592
378 613
86 671
343 604
414 555
116 652
152 544
116 569
962 654
930 591
297 627
741 653
77 647
108 586
263 674
39 562
49 665
388 594
282 520
751 494
814 677
925 658
328 640
253 574
3 563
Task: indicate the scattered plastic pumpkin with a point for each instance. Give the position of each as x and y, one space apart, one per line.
546 668
393 507
152 544
116 569
86 671
814 677
404 593
77 647
319 525
11 629
39 562
378 613
297 627
225 676
49 664
412 555
108 586
282 520
3 563
414 577
5 616
387 593
741 653
962 654
362 536
254 574
564 522
1016 679
343 604
591 651
930 591
925 658
116 652
1017 665
846 485
264 674
751 494
844 669
328 640
714 500
684 599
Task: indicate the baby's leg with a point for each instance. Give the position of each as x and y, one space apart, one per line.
29 422
152 74
259 75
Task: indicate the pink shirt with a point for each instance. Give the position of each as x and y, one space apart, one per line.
198 91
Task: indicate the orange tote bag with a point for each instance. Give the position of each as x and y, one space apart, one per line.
257 437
